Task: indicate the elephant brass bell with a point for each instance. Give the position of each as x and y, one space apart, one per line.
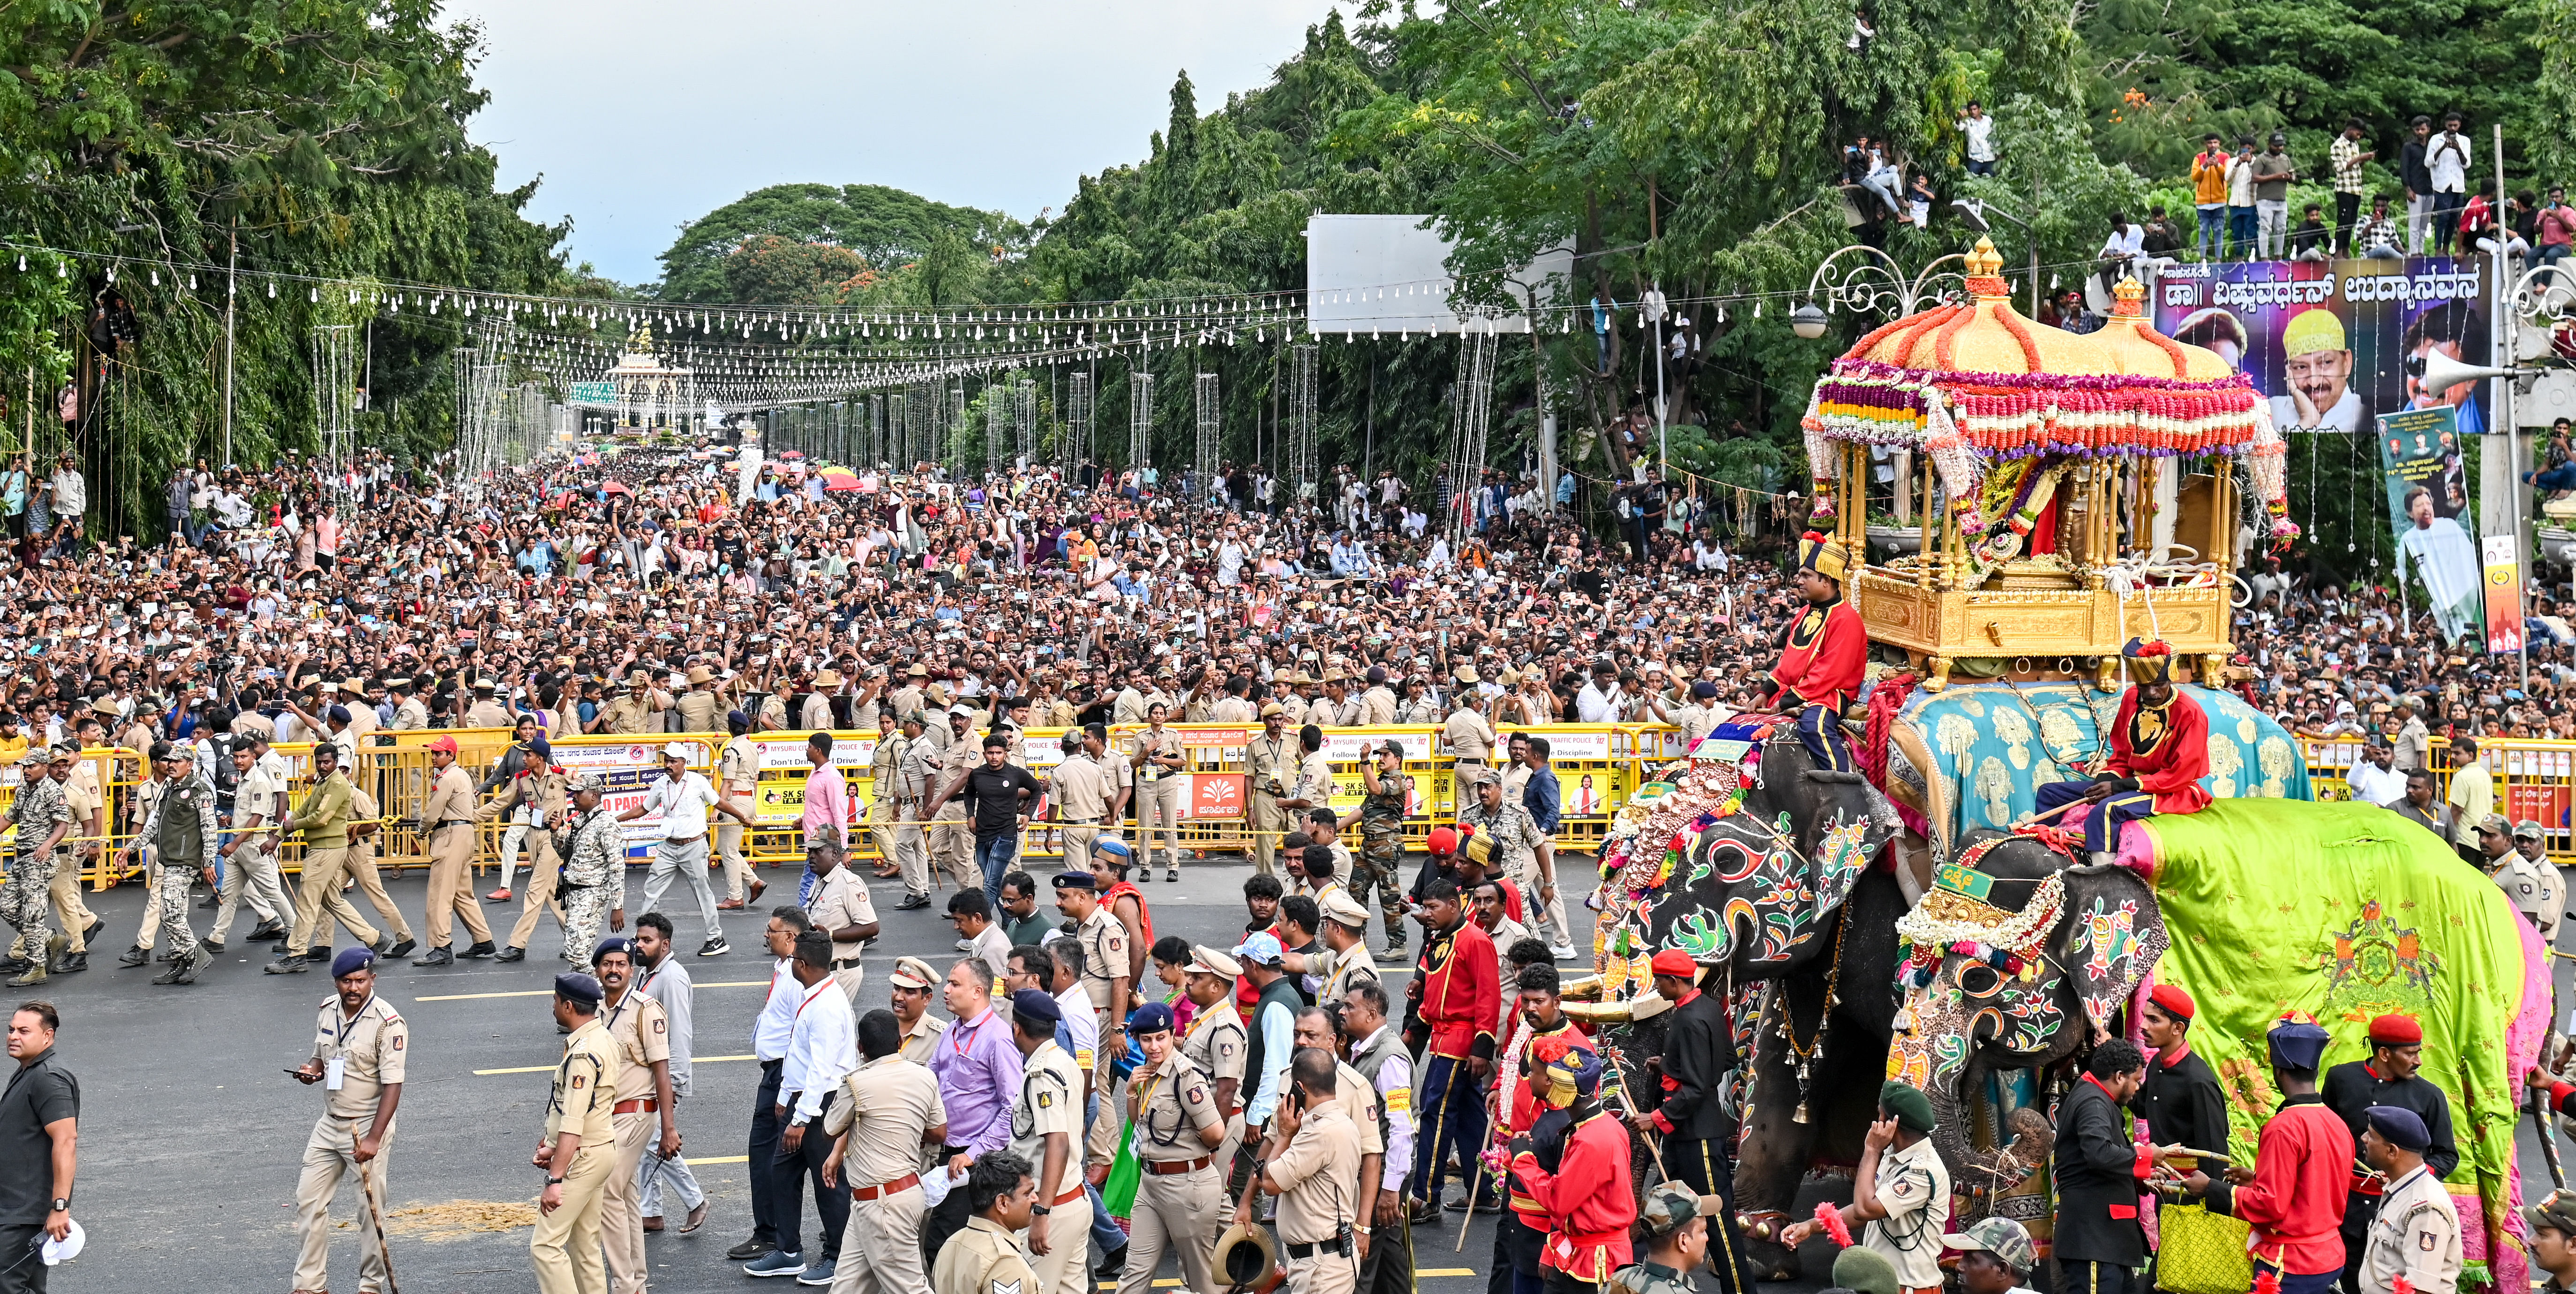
1799 1115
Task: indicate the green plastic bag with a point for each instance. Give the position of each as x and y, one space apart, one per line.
1119 1192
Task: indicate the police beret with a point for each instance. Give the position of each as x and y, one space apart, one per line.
1036 1010
1907 1104
2298 1044
1076 881
2400 1127
613 944
578 987
2173 1000
1673 961
1153 1017
352 960
2393 1030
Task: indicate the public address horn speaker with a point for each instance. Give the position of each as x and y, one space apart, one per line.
2440 372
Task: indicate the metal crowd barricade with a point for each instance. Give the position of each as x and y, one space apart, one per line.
2535 780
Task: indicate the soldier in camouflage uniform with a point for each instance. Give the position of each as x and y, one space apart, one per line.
1514 847
1387 790
593 846
181 821
1675 1220
44 817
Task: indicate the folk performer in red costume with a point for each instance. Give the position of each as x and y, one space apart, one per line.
2159 753
2295 1196
1573 1163
1823 655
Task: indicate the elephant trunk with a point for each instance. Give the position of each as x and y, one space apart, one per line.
1975 1173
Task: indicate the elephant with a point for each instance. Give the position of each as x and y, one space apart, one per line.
2053 952
1787 887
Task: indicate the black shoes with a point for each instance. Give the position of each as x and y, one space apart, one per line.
715 947
402 949
439 956
213 945
285 966
134 956
265 931
913 903
481 948
510 954
749 1249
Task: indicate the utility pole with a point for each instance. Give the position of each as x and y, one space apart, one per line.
232 292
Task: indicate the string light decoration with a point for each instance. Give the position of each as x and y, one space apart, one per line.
1140 420
1303 471
1077 421
1470 411
1204 464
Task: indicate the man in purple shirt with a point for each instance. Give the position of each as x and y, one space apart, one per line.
827 805
978 1068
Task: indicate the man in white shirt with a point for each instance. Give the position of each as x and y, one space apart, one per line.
2376 779
1600 699
1980 131
665 979
682 799
822 1048
769 1039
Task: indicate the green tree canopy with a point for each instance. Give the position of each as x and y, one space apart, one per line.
885 228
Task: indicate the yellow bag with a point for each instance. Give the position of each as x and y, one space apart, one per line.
2202 1252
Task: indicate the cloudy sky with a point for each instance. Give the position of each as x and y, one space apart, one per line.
641 114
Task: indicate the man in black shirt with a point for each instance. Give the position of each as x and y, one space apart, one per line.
998 794
2181 1100
38 1118
2389 1077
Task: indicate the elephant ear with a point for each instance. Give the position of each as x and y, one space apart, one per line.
2113 934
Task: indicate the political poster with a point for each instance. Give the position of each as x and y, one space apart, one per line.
2428 503
2328 342
2503 596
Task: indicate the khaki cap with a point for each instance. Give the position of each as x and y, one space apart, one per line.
700 674
826 680
913 972
1340 906
1208 961
1269 708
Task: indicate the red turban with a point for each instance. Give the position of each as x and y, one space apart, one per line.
2396 1031
1673 961
2175 1002
1443 840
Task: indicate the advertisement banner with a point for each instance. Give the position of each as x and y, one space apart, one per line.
1214 795
2328 341
2504 596
2428 504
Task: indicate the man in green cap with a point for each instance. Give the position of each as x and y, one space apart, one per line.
1901 1190
1995 1255
1676 1230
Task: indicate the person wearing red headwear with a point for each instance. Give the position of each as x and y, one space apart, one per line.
1691 1118
2159 753
2389 1077
1574 1165
2181 1100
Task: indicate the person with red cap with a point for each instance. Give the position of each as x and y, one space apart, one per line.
1459 998
2181 1100
2390 1077
1692 1122
447 823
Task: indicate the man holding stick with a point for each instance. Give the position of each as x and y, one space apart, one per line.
358 1057
2159 752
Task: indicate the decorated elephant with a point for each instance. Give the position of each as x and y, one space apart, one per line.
1974 756
1743 860
2254 906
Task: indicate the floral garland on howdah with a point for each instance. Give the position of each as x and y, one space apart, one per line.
1963 421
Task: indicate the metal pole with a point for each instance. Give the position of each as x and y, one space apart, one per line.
232 293
2500 353
1663 423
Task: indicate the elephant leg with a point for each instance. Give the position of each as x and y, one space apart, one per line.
1777 1146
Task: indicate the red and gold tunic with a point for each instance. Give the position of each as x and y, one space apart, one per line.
1462 992
1823 660
2295 1203
1588 1200
2165 747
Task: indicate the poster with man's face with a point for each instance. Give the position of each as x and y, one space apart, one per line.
2327 342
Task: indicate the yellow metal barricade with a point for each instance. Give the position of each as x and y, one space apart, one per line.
2534 779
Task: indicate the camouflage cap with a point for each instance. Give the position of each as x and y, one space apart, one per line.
2002 1237
2556 1211
586 782
1668 1208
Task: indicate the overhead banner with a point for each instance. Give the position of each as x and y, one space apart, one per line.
2328 341
2428 503
2504 596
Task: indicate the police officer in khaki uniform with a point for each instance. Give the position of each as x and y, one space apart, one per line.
578 1150
985 1257
952 839
641 1029
699 706
1177 1126
324 822
913 986
1081 792
1312 1163
738 784
364 831
1216 1046
1162 792
1271 760
540 787
1046 1129
638 707
2415 1235
358 1056
486 712
1104 955
1377 704
890 1113
1292 707
409 714
907 699
447 823
899 799
1470 738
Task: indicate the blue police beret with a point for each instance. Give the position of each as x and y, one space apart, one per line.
1153 1017
1036 1009
352 960
2400 1127
578 987
1076 881
613 944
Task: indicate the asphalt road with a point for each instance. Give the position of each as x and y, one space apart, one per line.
191 1135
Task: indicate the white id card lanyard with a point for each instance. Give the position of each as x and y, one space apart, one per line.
335 1068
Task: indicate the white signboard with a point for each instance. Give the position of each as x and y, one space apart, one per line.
1389 274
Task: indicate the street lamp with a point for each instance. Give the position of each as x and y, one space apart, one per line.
1869 280
1807 321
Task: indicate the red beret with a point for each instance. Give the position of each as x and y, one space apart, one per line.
1673 961
2396 1031
2173 1000
1443 840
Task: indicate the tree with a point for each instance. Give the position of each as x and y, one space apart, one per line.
883 227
